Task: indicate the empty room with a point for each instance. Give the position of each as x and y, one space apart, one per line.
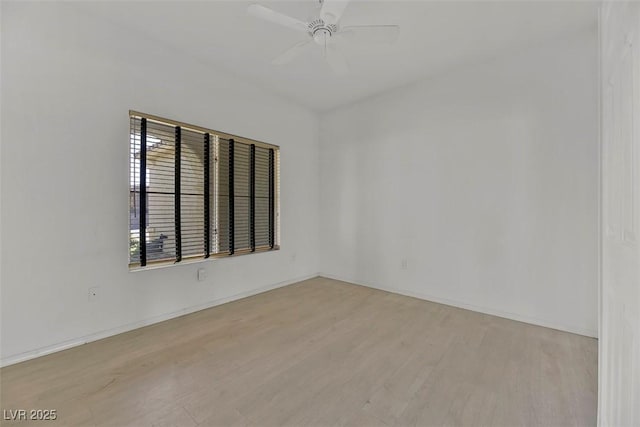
320 213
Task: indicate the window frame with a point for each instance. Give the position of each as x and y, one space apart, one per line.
214 194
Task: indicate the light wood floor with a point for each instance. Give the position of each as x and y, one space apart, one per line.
319 352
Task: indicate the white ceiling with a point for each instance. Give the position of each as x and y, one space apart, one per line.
434 37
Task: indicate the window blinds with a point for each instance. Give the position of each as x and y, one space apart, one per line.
203 193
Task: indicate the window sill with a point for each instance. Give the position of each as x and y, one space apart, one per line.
133 268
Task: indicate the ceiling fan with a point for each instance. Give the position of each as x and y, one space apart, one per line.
325 31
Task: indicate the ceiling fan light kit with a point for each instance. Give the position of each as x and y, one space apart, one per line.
326 32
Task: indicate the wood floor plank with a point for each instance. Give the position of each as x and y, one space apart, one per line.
317 353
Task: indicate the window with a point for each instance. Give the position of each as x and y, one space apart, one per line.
196 193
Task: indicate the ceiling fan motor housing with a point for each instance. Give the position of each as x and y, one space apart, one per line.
321 31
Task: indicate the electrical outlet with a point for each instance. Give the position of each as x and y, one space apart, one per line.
293 257
94 293
404 264
202 274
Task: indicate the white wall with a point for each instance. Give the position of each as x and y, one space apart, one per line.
68 82
484 179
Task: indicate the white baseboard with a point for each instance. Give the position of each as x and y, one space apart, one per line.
21 357
486 310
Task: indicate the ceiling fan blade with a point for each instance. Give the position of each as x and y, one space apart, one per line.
370 34
292 52
336 61
271 15
332 10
